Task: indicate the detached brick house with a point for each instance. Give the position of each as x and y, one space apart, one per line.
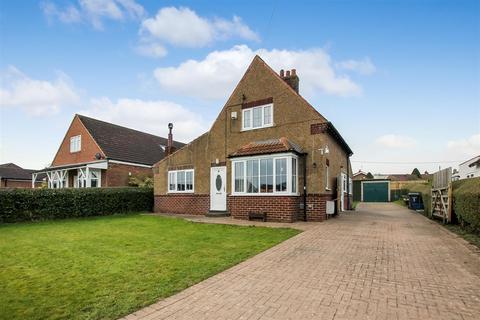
95 153
13 176
268 152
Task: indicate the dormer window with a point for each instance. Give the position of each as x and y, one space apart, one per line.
257 117
76 143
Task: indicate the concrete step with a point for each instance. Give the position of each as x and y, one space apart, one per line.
218 214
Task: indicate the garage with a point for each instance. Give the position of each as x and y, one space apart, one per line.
375 191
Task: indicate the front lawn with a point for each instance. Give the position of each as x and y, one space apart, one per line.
106 267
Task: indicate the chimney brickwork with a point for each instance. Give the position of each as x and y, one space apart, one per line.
291 78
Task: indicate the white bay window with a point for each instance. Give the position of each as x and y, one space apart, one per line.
263 175
181 181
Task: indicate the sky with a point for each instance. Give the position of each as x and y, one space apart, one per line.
400 80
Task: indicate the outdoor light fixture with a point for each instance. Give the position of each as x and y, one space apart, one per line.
324 150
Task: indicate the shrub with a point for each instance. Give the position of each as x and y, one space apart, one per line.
466 203
41 204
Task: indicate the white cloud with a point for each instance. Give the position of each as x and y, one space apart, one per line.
467 147
396 141
36 97
148 116
68 15
183 27
154 50
364 66
94 11
215 76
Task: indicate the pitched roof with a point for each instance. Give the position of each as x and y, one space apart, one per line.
267 147
124 144
12 171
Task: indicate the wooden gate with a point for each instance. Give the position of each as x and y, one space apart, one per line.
442 195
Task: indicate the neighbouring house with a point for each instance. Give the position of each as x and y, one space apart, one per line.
360 175
269 153
468 169
13 176
96 153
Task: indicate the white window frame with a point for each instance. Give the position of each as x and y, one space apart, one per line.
250 124
76 143
287 192
98 172
173 174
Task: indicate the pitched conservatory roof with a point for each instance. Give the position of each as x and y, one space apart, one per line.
267 147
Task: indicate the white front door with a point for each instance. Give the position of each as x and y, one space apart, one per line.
218 189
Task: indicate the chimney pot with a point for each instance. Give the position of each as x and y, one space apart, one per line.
288 73
170 147
294 72
282 73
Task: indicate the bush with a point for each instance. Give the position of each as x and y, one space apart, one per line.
466 203
18 205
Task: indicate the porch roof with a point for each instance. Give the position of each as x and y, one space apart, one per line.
267 147
100 164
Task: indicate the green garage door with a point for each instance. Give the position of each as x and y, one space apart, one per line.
375 192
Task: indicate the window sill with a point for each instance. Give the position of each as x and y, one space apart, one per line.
236 194
251 129
180 192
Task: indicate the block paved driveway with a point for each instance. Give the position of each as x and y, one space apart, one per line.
381 262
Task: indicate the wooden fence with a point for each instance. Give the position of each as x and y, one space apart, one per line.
442 195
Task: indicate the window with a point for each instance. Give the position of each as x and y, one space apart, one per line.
181 181
252 176
172 181
76 143
95 178
265 175
239 176
280 175
257 117
327 177
294 175
247 119
267 115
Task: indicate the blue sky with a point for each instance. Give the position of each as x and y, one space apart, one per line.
399 79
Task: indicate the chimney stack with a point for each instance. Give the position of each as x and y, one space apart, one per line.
291 78
170 147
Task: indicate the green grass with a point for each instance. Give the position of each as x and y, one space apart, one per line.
106 267
471 237
400 202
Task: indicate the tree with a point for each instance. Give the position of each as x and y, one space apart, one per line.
369 175
141 180
416 173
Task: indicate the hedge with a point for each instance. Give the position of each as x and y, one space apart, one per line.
466 203
18 205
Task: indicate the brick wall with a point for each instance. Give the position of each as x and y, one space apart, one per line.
89 148
317 206
182 203
278 208
117 174
18 184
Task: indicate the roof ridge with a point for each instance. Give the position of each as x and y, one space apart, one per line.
80 116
